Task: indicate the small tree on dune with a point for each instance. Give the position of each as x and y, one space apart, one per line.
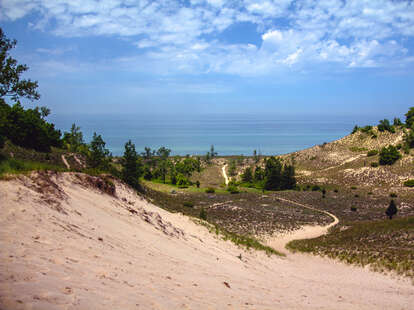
391 210
131 165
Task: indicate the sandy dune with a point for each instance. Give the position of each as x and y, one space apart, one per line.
65 244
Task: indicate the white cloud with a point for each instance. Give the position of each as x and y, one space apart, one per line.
352 33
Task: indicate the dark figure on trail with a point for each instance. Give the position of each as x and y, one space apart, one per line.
391 210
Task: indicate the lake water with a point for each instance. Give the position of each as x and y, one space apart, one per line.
230 134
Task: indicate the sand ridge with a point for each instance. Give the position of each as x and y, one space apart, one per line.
72 246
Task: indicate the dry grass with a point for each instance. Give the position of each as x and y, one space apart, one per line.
383 245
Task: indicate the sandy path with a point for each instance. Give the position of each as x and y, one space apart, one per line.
65 161
279 241
223 171
70 246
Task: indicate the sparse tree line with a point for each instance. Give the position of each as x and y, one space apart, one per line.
390 154
274 176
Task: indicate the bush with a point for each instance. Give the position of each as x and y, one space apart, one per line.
233 189
389 155
374 164
372 153
316 188
188 204
391 210
336 190
393 195
203 214
353 187
210 190
409 183
353 209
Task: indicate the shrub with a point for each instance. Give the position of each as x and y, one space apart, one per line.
353 187
389 155
198 184
336 190
203 214
210 190
393 195
391 210
353 209
409 183
372 153
233 189
374 164
316 188
188 204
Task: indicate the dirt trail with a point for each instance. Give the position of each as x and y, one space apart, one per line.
223 170
279 241
65 161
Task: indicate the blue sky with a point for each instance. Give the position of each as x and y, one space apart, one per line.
329 57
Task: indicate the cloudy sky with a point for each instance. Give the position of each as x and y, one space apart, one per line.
215 56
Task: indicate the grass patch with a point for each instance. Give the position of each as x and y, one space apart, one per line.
16 166
240 240
384 245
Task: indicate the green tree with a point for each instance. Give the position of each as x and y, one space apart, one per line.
232 168
163 153
98 154
247 175
397 122
212 152
409 118
131 165
73 139
11 83
273 174
391 210
389 155
258 174
384 125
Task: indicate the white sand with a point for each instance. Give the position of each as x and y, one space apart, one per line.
51 258
223 170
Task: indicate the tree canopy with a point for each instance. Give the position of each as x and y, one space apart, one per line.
11 83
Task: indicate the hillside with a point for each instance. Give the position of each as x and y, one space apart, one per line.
72 241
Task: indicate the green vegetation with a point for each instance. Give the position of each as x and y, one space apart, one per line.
391 210
16 166
188 204
278 177
409 121
372 153
210 190
409 183
389 155
131 165
384 245
385 125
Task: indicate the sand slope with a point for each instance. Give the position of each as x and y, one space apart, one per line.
65 244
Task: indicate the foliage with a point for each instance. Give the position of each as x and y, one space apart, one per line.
131 165
163 153
15 166
210 190
258 174
98 154
232 167
232 189
212 152
384 125
11 84
27 128
374 164
398 122
409 121
409 183
203 214
391 210
372 153
247 175
355 130
73 140
188 204
278 177
389 155
409 139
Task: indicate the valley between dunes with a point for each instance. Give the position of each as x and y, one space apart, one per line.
68 244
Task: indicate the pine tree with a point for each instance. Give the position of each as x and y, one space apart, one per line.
131 165
391 210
